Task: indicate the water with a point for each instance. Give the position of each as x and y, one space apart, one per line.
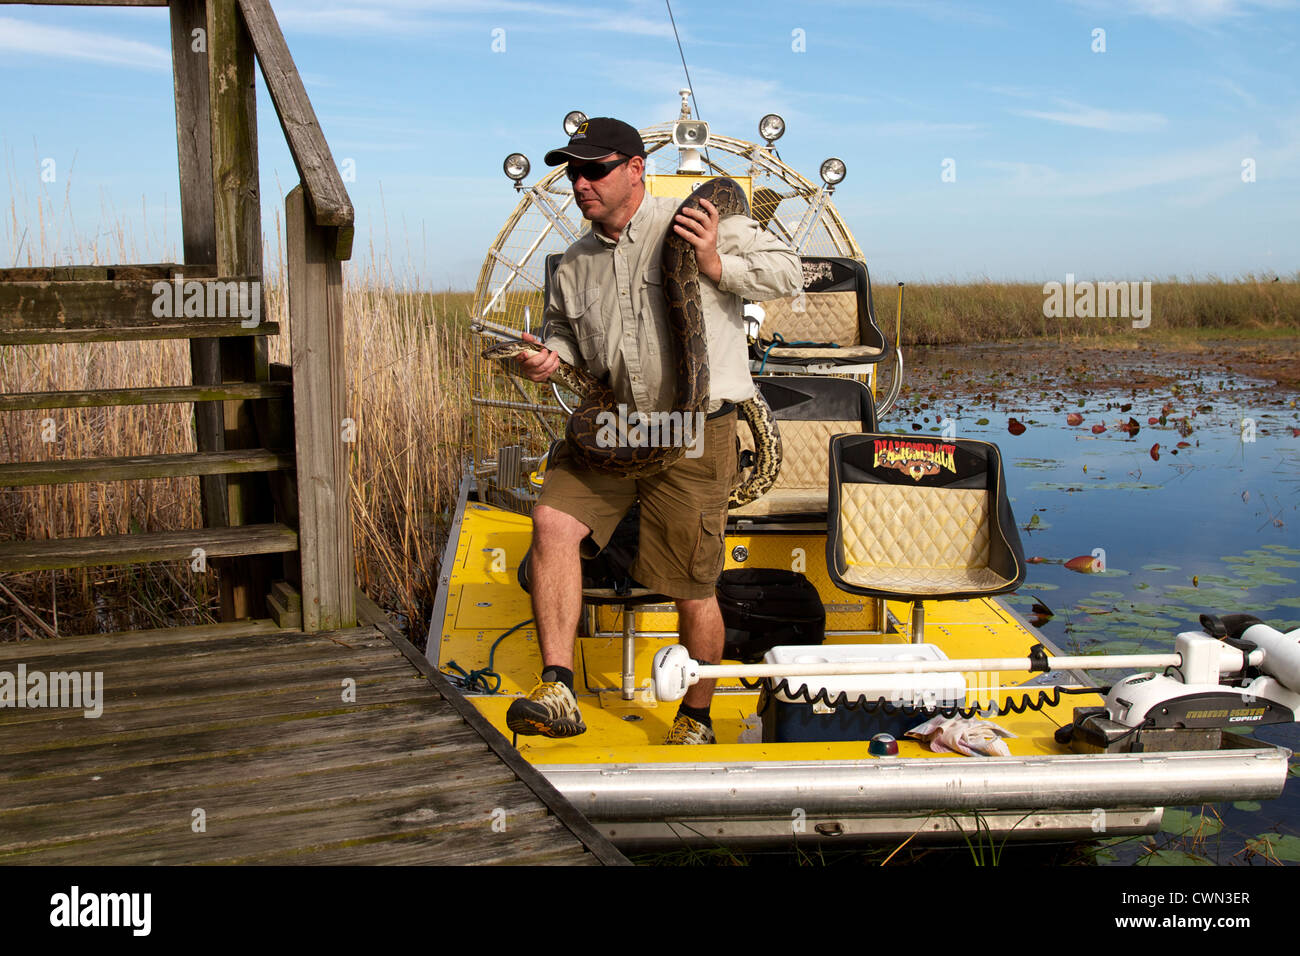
1213 526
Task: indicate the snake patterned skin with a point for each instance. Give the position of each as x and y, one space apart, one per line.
686 323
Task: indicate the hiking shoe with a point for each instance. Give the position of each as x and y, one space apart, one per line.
549 710
688 730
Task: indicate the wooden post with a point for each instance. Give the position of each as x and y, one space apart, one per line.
319 401
238 225
189 27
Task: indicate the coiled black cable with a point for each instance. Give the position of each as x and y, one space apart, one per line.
841 700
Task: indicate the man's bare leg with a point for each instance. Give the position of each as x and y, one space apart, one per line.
555 583
703 634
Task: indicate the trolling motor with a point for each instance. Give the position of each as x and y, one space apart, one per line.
1239 673
1249 677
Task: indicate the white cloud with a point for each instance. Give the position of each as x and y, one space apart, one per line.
924 128
1194 12
1091 117
20 36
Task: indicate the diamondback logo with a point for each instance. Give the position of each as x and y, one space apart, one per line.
918 459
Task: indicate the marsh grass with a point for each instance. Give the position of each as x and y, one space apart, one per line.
951 313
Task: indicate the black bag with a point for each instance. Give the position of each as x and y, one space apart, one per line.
766 607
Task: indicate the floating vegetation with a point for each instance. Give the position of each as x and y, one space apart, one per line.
1114 486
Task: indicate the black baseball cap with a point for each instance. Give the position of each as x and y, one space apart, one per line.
597 138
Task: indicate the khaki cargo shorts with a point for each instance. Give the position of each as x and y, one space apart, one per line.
683 510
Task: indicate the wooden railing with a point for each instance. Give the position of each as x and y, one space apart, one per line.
259 503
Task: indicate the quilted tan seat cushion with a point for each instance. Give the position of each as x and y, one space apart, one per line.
801 483
826 317
916 541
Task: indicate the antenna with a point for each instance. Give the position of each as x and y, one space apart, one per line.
691 86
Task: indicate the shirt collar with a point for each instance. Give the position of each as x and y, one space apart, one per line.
634 225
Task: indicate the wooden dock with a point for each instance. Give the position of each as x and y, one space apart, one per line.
245 743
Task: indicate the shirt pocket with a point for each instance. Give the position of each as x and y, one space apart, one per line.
653 299
589 329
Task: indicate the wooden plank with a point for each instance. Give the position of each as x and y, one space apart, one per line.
167 641
124 309
326 195
109 550
159 395
236 206
71 733
315 788
429 738
200 269
77 470
319 401
131 704
173 643
538 842
217 740
198 225
236 839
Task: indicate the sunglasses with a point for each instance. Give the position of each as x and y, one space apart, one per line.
594 170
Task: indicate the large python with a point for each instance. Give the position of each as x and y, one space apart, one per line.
686 323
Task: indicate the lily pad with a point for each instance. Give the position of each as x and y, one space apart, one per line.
1282 847
1183 823
1173 858
1161 567
1250 805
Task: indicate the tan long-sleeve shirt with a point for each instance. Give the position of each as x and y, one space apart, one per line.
607 312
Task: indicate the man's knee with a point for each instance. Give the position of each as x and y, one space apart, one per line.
556 530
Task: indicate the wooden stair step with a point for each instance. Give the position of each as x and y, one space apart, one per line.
172 394
130 270
95 310
55 472
144 548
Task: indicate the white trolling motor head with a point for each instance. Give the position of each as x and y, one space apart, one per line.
674 672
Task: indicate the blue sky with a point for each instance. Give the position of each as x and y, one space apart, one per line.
1120 164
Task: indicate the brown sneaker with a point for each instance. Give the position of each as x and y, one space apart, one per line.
550 710
688 730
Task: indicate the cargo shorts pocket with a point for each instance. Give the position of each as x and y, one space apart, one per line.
709 556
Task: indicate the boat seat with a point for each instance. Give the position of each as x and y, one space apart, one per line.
830 324
809 409
920 518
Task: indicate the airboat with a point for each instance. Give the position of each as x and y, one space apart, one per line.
909 542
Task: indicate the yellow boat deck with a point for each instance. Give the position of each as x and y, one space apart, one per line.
484 600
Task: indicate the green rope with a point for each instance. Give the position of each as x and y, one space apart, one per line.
476 681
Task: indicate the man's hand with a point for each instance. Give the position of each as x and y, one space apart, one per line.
537 366
699 227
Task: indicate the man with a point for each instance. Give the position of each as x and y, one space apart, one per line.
607 312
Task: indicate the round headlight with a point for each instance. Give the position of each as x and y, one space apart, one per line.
572 120
771 127
833 171
516 166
